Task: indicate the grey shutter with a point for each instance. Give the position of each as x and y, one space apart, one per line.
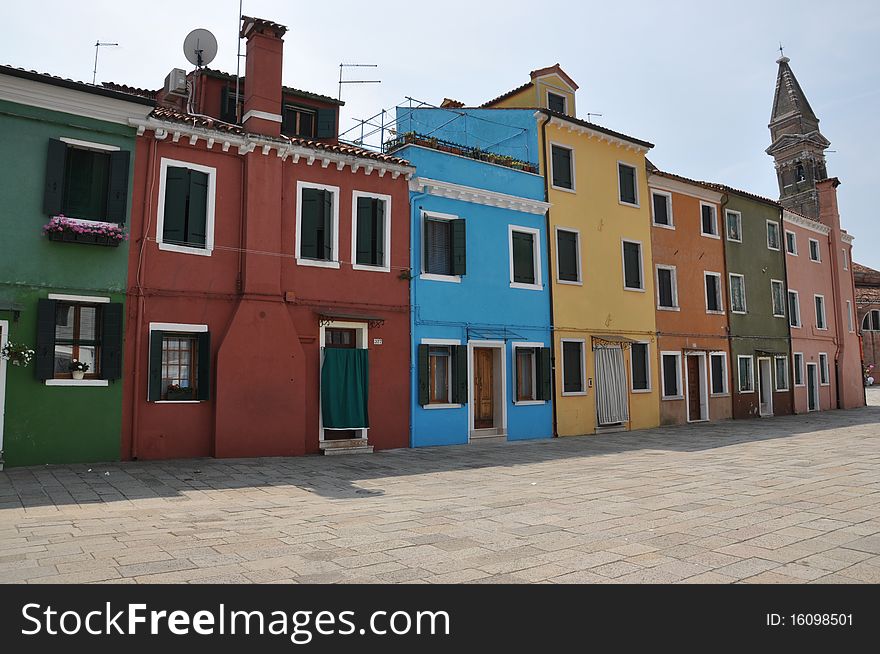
561 158
571 367
326 128
379 233
627 180
328 225
664 281
197 209
176 191
567 253
661 209
154 387
438 247
424 375
458 240
111 340
364 230
117 186
227 112
204 371
44 364
523 258
631 265
308 248
459 374
639 354
53 193
544 374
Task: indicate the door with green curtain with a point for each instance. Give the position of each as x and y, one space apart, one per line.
344 385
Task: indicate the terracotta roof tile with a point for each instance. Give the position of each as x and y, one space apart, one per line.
555 68
249 23
131 90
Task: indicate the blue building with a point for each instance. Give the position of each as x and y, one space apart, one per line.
481 329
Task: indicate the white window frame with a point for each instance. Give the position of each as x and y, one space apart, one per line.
664 395
442 342
668 197
778 235
776 386
745 308
536 257
751 359
641 265
797 312
674 280
788 233
824 370
525 345
849 317
573 188
799 370
386 267
824 313
868 319
632 376
577 233
558 95
637 203
726 390
73 299
334 239
180 328
845 259
717 275
714 209
818 250
774 282
434 215
727 214
210 204
583 345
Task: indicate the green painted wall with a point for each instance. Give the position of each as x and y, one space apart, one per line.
52 424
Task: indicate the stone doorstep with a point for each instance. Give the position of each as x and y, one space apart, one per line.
346 446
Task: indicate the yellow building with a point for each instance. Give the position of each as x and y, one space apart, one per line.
602 282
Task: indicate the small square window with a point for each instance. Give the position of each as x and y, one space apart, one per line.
556 102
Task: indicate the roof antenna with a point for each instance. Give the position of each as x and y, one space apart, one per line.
98 44
592 113
356 81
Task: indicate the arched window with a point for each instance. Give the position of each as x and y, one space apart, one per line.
871 321
800 176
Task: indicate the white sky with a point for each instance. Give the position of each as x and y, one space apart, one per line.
694 78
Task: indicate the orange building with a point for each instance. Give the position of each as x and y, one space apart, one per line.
693 354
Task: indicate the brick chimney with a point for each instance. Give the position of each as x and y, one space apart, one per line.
262 100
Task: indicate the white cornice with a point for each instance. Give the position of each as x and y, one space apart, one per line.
477 195
847 238
806 223
281 148
70 101
265 115
662 183
593 133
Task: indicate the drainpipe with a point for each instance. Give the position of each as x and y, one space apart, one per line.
550 270
838 314
418 197
784 252
732 364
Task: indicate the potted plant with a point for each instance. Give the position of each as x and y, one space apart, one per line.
178 392
78 369
869 374
70 230
17 353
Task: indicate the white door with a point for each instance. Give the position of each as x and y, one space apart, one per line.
765 386
4 337
812 387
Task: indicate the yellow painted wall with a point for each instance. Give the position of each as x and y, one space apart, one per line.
535 96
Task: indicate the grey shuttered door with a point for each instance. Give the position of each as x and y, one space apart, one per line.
611 395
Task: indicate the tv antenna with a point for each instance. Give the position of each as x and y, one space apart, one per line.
98 45
356 81
592 113
200 47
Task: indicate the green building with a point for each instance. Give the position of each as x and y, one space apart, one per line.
66 149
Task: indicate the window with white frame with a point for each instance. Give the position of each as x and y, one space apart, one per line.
661 208
794 308
633 275
525 258
185 215
845 259
640 367
556 102
628 184
179 363
781 373
444 246
815 253
824 374
849 316
871 321
746 373
573 368
562 167
798 368
734 226
671 371
737 293
667 287
440 374
526 374
568 256
791 243
317 225
712 285
820 312
708 220
718 370
777 294
772 235
371 231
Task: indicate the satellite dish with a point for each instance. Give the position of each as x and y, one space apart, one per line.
200 47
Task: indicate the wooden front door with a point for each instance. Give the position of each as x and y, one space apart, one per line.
347 339
484 388
694 388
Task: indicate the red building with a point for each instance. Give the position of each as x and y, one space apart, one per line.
269 310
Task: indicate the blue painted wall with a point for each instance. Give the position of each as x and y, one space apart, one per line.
482 306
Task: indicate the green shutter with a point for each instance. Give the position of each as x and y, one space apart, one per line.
543 374
459 374
561 158
112 319
197 209
365 225
44 364
459 247
176 191
326 124
154 388
379 233
204 372
523 258
328 226
567 255
308 231
424 375
56 162
117 186
227 112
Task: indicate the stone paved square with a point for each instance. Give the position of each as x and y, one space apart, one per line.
788 500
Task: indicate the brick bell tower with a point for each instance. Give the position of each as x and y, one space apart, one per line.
798 146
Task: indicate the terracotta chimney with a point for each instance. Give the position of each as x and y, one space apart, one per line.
262 100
